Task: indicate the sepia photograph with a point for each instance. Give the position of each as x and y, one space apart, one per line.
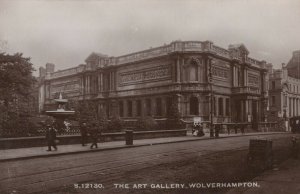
149 96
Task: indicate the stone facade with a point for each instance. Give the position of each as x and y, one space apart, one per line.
145 82
284 89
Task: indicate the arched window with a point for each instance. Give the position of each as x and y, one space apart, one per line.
194 106
191 71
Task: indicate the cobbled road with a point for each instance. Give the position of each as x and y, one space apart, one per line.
103 169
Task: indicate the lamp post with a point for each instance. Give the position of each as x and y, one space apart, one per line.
211 130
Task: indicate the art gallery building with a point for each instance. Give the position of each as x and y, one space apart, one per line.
145 82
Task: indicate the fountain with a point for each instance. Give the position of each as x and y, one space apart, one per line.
60 114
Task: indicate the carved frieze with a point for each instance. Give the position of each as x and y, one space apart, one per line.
146 75
220 72
253 79
63 88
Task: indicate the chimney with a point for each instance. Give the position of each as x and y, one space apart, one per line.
50 68
42 72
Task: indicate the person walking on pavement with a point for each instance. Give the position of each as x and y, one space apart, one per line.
51 137
94 133
83 131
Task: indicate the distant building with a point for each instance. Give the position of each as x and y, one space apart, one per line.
284 89
143 83
293 65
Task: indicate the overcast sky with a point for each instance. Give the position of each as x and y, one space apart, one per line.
66 32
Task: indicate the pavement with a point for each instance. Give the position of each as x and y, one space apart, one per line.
36 152
280 180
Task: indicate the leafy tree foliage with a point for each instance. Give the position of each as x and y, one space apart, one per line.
16 86
16 78
173 120
86 111
146 123
116 124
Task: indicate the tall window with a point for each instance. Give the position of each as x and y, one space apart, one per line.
220 102
273 100
121 109
129 108
168 104
214 105
194 110
138 108
227 107
193 72
158 107
107 109
273 85
148 107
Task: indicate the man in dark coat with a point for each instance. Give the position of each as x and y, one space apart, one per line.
51 137
83 131
94 133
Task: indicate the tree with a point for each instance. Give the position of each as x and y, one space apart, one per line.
146 123
86 112
16 88
102 120
16 78
173 120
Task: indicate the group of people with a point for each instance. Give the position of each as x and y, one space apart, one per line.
86 131
92 131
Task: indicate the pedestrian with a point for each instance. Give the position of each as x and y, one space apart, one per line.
217 130
51 137
236 128
83 131
94 133
243 128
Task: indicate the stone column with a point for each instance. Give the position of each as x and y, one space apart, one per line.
86 84
298 106
89 84
243 111
178 70
289 106
101 82
113 80
293 107
81 85
217 106
181 70
224 107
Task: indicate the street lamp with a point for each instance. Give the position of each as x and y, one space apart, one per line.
211 131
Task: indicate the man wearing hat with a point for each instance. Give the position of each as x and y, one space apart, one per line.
94 133
51 137
83 131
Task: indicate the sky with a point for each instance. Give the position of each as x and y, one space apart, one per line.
65 32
